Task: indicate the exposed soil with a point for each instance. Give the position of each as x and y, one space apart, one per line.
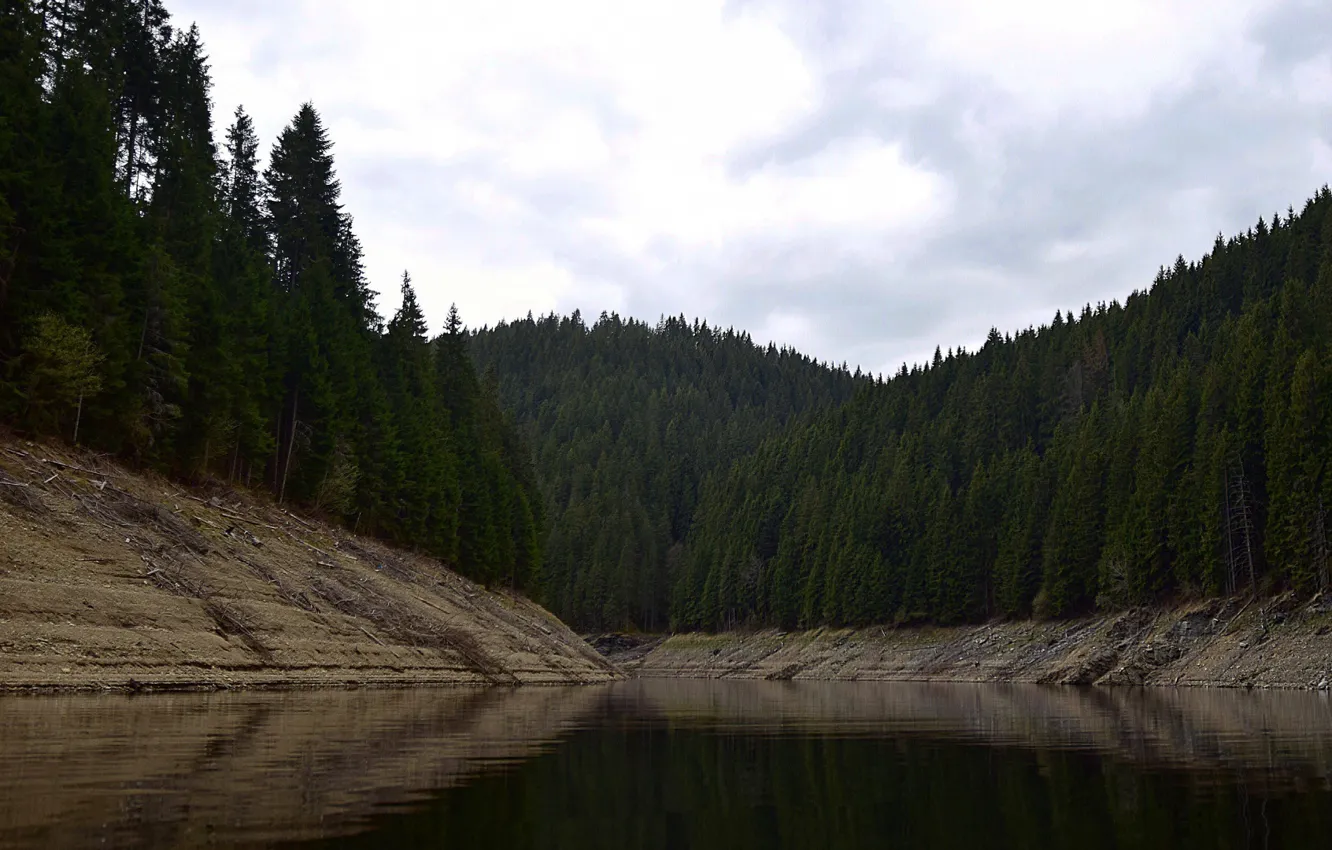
112 579
1285 642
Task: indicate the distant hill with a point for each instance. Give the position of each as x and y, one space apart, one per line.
627 420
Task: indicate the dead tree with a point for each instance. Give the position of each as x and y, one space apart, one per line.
1320 547
1240 528
1228 522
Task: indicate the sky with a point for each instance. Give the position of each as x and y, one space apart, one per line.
861 180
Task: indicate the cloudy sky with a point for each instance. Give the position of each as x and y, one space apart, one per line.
862 180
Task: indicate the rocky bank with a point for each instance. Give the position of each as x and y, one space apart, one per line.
1284 642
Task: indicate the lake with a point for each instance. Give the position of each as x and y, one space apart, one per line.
670 764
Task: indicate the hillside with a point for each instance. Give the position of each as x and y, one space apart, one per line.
114 579
1170 448
627 420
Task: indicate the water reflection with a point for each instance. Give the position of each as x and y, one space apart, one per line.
671 764
1268 735
207 770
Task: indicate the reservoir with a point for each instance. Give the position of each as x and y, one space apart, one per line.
671 764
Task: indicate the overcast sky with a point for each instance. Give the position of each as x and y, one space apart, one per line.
862 180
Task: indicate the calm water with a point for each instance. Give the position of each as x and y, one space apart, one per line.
671 765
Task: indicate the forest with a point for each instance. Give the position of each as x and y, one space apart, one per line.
627 421
165 300
1168 448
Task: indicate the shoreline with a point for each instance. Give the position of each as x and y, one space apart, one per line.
1284 642
373 681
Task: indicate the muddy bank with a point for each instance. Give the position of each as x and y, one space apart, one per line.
1276 643
110 579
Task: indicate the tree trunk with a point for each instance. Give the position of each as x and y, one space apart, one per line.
78 417
291 443
130 144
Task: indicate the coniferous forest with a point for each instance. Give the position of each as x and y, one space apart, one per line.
1166 448
1173 446
167 297
170 302
627 421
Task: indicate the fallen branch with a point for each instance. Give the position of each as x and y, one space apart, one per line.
372 637
226 513
12 484
308 546
1232 620
62 465
300 521
239 518
432 605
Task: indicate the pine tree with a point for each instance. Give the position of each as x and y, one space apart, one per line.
25 171
248 342
324 343
183 221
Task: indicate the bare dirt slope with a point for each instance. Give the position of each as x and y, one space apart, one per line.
121 580
1284 642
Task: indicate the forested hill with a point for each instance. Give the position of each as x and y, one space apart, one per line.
170 303
189 310
627 420
1172 446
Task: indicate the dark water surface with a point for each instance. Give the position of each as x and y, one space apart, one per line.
671 764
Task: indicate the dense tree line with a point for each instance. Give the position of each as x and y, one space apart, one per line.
172 303
627 420
1172 446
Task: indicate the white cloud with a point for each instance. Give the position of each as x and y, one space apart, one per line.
853 187
518 155
1312 80
510 82
1098 54
1045 56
